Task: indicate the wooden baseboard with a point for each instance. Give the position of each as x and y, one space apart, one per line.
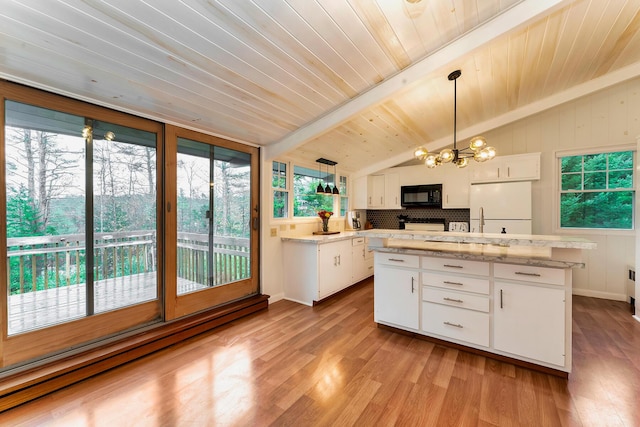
30 383
521 363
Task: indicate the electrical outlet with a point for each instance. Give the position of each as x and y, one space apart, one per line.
292 226
274 232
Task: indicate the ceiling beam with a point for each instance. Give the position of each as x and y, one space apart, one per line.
511 19
584 89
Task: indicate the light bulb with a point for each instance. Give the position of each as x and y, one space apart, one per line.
446 155
491 152
462 163
420 153
481 156
477 143
431 161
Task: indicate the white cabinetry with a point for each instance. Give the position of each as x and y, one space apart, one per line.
455 300
335 261
455 188
316 270
391 191
396 291
375 192
362 260
520 167
529 318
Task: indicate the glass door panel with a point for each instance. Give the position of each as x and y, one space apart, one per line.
124 216
213 216
45 217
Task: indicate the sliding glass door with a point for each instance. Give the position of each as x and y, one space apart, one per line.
80 199
215 221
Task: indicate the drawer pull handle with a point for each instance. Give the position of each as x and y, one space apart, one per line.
456 325
522 273
396 260
452 299
453 266
446 282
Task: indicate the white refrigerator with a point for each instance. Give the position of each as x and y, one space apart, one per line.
504 205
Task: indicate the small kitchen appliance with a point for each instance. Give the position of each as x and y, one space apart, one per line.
353 221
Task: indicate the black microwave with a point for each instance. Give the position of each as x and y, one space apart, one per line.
421 196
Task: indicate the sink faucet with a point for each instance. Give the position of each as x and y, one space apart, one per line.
481 222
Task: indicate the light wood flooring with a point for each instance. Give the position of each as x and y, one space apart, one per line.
331 366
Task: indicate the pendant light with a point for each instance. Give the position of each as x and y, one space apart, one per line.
327 189
477 149
336 192
319 189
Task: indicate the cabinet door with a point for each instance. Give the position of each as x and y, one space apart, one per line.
392 191
522 167
359 194
334 267
396 298
455 189
375 191
529 321
486 172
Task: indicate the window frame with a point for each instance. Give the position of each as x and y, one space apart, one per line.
557 190
291 193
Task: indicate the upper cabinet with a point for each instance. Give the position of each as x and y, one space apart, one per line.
380 192
455 187
520 167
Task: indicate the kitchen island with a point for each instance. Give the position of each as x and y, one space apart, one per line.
505 296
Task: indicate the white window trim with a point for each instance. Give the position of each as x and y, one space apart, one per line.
555 202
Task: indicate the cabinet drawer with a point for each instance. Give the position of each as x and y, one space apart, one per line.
457 323
456 299
526 273
478 285
463 266
398 260
356 241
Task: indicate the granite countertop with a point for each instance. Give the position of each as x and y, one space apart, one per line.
320 239
505 240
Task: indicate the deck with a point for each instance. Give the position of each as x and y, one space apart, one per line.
34 310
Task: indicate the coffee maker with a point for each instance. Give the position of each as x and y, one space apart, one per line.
353 221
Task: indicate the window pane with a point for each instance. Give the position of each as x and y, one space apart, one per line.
279 177
572 181
571 164
612 210
621 160
306 201
621 179
124 218
280 204
595 162
213 216
595 181
45 217
344 206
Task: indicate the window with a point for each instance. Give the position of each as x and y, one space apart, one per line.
306 202
280 190
597 191
344 196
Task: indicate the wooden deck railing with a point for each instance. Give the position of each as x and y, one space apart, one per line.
44 262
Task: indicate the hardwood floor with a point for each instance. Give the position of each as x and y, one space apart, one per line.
331 365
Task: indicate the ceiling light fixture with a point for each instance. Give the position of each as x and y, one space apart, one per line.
477 149
327 189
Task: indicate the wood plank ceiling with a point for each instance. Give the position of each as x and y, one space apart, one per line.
358 81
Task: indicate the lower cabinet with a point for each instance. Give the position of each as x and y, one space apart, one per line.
315 270
334 272
529 321
396 290
519 311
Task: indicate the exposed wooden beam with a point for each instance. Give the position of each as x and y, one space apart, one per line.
519 15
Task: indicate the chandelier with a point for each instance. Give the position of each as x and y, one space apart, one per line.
477 149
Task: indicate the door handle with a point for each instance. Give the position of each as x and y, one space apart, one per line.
501 305
255 223
412 281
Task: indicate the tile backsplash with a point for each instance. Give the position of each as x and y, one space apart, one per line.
389 218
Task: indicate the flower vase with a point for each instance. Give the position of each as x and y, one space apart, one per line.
325 224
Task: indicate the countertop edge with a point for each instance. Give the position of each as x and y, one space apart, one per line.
536 262
568 242
320 239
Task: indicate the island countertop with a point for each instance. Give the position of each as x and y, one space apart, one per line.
535 250
506 240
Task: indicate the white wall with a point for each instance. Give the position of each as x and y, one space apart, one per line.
610 117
